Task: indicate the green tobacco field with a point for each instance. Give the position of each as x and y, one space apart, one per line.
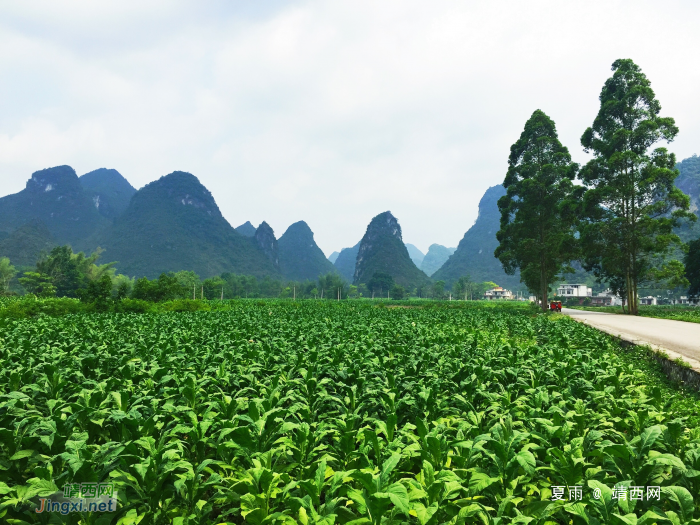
323 412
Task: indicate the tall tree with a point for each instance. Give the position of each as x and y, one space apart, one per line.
7 273
537 234
464 287
631 205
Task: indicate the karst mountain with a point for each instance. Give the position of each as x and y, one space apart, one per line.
300 258
474 254
382 251
55 197
174 224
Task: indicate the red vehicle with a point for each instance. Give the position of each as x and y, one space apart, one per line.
555 306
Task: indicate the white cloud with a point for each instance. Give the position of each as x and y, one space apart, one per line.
329 112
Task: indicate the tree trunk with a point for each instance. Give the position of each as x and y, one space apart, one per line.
543 285
634 284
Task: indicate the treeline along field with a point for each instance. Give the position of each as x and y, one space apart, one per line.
308 412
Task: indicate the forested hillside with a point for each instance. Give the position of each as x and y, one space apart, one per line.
416 255
109 191
437 256
55 197
246 229
300 258
474 254
174 224
345 262
382 251
27 244
689 183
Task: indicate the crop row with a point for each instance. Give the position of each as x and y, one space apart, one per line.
341 413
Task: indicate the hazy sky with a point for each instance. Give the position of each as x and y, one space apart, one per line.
330 112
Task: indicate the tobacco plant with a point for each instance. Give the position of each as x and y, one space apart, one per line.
309 413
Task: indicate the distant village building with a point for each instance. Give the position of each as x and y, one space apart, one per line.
685 300
648 301
606 298
498 293
574 290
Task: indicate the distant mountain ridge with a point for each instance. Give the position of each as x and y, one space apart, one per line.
474 254
109 190
174 224
416 255
689 183
266 241
300 257
437 256
55 197
27 244
95 209
382 251
345 262
246 229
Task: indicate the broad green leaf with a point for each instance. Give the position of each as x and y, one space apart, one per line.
479 481
21 455
423 513
399 497
627 519
527 461
388 467
683 499
648 437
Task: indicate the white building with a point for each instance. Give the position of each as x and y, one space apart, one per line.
606 298
686 300
647 301
498 293
574 290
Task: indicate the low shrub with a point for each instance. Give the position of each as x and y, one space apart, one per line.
137 306
185 305
31 306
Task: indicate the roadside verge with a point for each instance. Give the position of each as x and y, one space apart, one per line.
677 365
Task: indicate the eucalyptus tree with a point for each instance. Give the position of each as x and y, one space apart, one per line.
537 230
631 204
7 273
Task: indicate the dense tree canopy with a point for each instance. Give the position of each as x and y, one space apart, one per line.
7 272
64 273
380 283
537 235
631 205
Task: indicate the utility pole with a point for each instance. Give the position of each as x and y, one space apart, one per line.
202 295
295 292
194 291
222 293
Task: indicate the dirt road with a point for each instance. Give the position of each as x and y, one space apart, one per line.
676 338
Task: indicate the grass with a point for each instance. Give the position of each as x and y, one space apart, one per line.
689 314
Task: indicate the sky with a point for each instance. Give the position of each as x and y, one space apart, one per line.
325 111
